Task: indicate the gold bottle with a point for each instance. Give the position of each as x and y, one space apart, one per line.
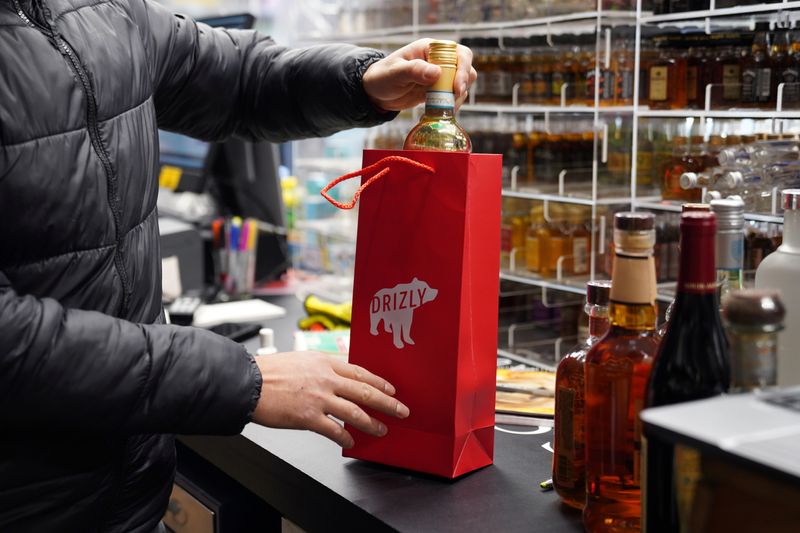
438 129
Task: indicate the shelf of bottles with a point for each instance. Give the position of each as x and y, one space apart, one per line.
603 106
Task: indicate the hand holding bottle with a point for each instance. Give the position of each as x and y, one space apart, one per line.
401 79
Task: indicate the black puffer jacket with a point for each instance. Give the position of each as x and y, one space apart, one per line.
91 386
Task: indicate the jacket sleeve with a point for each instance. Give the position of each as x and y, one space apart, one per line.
71 370
212 83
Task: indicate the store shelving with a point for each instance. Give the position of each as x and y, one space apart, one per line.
541 109
649 18
579 200
675 207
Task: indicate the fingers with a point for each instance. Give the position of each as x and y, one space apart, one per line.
416 50
358 373
463 78
416 71
352 414
332 430
368 396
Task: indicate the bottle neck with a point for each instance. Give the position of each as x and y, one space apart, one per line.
440 102
598 325
633 292
697 273
791 232
436 110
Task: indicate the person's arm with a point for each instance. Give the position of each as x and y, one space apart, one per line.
212 83
72 370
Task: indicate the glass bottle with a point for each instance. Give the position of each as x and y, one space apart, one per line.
438 129
778 61
483 66
692 363
753 318
542 70
584 82
536 240
695 75
569 461
680 162
730 244
780 270
756 70
579 240
623 67
790 75
616 373
558 243
667 77
644 160
726 77
685 208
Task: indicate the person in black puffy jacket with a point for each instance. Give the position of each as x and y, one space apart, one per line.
92 384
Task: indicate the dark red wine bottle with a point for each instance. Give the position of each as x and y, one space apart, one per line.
692 363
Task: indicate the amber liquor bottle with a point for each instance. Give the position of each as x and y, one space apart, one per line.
569 461
667 76
756 69
692 363
616 373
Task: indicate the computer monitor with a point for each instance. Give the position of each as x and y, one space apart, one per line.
241 176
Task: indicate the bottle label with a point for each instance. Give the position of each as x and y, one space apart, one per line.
565 450
580 255
532 254
730 250
686 474
499 83
634 280
625 85
658 84
691 83
749 85
506 233
541 84
480 85
731 80
791 88
764 84
440 100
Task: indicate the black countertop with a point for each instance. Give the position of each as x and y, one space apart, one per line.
305 478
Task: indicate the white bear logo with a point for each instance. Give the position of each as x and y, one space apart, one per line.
396 306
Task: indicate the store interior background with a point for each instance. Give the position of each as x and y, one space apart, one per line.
571 158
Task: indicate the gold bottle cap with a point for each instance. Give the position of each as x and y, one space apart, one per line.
443 53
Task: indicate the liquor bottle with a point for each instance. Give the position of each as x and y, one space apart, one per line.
756 70
685 208
569 461
644 160
778 61
753 318
696 74
438 129
727 73
579 239
682 161
780 270
585 79
542 70
622 65
790 76
692 363
617 369
558 243
730 244
536 240
667 76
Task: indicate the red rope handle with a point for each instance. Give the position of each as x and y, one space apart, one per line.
385 161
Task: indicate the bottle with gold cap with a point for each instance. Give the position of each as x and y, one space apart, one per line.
438 129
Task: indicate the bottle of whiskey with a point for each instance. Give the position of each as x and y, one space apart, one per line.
756 69
438 129
753 318
692 363
536 240
617 369
569 462
667 76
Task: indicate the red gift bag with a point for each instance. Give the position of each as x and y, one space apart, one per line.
425 304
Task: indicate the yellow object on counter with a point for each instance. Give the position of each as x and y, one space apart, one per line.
341 312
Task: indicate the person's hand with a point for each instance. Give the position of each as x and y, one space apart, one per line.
401 79
303 390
